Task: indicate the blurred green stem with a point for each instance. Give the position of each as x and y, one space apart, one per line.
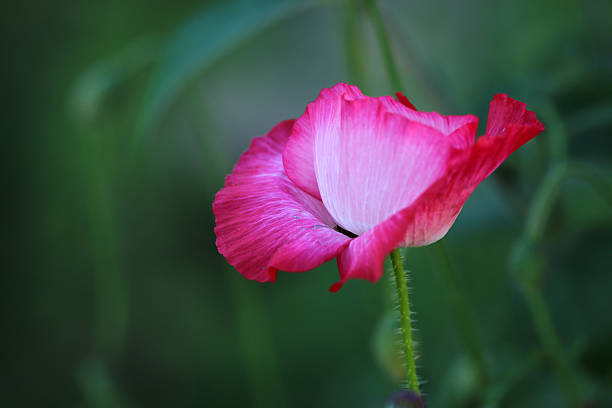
557 134
401 285
601 184
254 337
110 286
384 44
496 394
545 197
592 118
551 344
528 263
537 218
354 47
542 204
258 352
463 316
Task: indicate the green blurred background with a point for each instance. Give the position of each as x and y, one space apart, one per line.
121 119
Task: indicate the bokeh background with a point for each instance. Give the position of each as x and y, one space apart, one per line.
121 119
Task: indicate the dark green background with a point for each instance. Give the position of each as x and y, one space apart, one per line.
120 120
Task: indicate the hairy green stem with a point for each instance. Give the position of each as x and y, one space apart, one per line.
463 315
384 44
405 320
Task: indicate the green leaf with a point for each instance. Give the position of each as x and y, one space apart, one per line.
202 40
92 87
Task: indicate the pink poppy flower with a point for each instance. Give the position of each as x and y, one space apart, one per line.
356 177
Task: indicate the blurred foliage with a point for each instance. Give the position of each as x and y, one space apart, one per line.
114 293
206 37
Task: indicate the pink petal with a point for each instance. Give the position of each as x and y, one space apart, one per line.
298 156
461 130
432 214
264 222
364 257
370 163
507 115
349 92
445 124
404 101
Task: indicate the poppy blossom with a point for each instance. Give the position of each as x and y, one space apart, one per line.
356 177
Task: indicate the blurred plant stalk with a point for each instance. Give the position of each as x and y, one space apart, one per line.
529 265
87 104
109 284
385 45
353 43
463 316
496 394
258 353
252 324
527 260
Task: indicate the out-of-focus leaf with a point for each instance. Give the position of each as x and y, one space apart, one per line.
593 117
98 387
386 347
204 38
92 87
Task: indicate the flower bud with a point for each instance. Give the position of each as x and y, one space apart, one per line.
406 399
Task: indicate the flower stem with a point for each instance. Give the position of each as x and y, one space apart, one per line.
499 392
529 280
543 203
550 342
355 61
258 353
405 320
598 181
384 44
463 315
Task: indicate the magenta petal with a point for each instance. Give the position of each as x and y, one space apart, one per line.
264 222
364 257
510 118
433 213
510 125
423 222
298 156
404 101
371 163
347 91
445 124
375 166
